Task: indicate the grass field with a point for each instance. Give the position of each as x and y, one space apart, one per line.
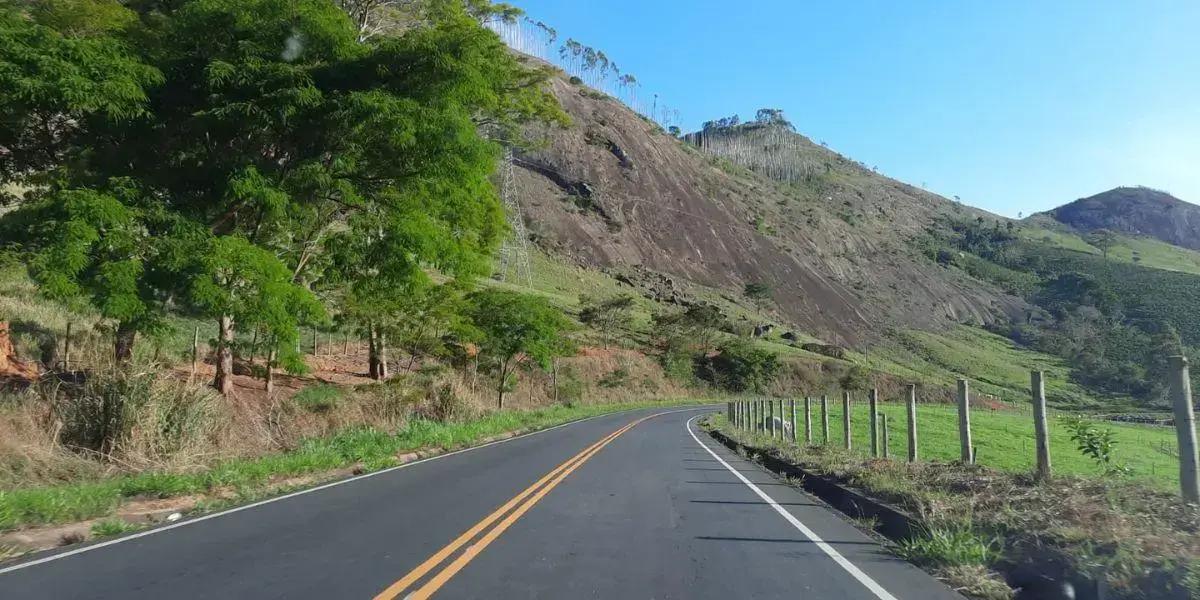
996 366
1145 251
1057 239
1003 439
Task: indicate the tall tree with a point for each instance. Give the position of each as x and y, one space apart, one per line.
264 145
1103 239
517 330
606 314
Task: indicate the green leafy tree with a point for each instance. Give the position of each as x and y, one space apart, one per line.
758 292
249 286
740 366
516 330
67 70
606 315
282 138
1104 239
695 328
431 318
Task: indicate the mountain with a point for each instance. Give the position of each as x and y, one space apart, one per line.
1136 211
616 192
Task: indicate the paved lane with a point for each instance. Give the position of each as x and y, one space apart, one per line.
651 512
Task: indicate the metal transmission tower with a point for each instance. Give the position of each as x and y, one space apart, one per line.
515 251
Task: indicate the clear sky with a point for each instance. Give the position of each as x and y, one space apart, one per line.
1016 106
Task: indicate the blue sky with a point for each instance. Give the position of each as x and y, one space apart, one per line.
1016 106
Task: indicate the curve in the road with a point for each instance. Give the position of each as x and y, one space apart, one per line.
633 512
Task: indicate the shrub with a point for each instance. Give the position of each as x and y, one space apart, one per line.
618 377
740 366
319 399
1095 442
105 410
856 378
950 547
678 364
111 527
757 291
570 387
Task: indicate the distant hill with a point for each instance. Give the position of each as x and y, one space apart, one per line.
830 237
1136 211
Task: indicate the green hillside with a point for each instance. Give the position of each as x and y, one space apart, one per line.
1113 319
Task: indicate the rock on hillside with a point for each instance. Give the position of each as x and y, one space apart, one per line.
614 191
1136 211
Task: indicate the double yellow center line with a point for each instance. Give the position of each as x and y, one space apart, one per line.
514 509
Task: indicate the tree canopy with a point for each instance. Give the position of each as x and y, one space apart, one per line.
233 158
517 330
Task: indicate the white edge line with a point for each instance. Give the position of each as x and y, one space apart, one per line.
148 532
837 557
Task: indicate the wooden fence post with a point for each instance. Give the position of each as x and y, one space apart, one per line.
846 418
1041 430
808 420
886 440
966 452
873 403
1185 429
792 406
195 354
912 423
824 419
771 417
67 349
316 342
780 418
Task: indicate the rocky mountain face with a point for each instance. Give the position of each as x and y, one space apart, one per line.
1136 211
616 192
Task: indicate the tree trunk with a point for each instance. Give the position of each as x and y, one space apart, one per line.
254 346
270 375
123 345
372 356
224 378
381 354
377 354
474 371
554 378
500 388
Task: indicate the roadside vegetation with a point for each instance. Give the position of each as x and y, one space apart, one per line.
362 449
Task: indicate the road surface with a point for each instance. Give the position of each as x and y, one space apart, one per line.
634 505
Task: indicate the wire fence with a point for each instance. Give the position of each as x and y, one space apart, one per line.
1023 438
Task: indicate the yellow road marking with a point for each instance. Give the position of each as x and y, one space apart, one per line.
467 556
393 591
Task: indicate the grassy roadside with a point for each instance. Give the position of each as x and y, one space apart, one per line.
247 479
988 532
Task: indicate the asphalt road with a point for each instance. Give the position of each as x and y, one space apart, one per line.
659 511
